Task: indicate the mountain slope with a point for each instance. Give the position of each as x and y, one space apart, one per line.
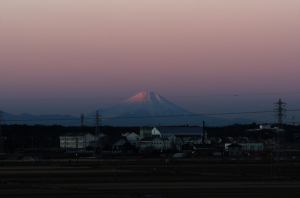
143 109
149 108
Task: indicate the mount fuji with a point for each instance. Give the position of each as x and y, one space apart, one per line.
143 109
149 108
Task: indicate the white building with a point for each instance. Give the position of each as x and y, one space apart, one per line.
165 132
264 126
76 140
191 135
132 138
145 132
100 140
194 140
152 143
248 146
234 149
118 142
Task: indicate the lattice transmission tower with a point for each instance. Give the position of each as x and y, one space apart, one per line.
97 130
280 111
280 114
1 138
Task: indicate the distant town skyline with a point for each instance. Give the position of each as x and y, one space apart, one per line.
72 57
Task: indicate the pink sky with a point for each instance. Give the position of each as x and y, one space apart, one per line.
73 49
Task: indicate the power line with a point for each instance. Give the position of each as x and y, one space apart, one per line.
190 115
119 98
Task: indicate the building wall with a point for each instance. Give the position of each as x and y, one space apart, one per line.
144 145
155 132
264 126
118 145
145 132
248 146
87 139
237 151
154 144
133 138
157 144
76 141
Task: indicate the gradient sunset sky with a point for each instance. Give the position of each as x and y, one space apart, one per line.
107 51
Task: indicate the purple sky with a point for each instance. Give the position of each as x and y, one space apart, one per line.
91 49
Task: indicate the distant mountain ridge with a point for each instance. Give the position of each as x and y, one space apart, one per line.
65 120
142 109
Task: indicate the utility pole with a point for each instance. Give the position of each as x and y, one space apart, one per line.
81 119
293 121
1 138
204 147
97 130
271 165
203 138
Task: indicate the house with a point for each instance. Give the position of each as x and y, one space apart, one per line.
76 140
243 140
248 146
252 140
151 143
100 141
132 138
194 140
252 146
165 132
203 149
174 135
172 139
166 143
118 142
234 149
216 140
270 143
145 132
264 126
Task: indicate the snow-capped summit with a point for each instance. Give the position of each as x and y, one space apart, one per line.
146 104
143 97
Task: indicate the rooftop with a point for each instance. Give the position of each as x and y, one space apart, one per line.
76 134
234 145
181 130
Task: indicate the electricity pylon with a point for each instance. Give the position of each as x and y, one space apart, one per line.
97 130
1 138
280 112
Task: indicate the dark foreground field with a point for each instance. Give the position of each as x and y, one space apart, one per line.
137 179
